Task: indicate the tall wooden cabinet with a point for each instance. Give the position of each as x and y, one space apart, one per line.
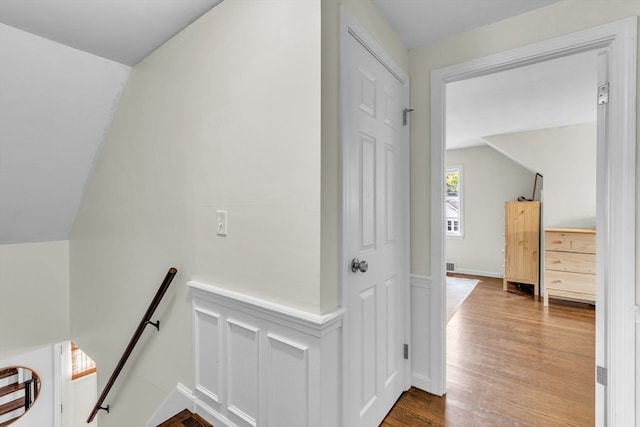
522 244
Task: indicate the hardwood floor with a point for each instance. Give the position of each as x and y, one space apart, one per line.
511 362
185 418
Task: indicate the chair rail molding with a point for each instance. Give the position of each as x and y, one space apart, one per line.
260 363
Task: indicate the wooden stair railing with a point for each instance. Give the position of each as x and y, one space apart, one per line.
146 320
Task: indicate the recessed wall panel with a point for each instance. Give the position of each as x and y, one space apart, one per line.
243 360
207 354
288 382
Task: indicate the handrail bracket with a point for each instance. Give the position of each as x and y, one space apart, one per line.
104 408
156 324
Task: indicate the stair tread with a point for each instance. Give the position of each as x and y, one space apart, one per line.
12 406
11 388
6 423
8 372
185 418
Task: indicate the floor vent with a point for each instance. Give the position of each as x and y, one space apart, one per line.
451 266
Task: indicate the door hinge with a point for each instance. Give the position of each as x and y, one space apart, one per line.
601 375
406 351
61 408
405 112
603 94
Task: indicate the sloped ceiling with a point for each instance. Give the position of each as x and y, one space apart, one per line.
124 31
55 108
63 65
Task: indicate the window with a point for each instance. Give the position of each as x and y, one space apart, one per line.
453 201
81 364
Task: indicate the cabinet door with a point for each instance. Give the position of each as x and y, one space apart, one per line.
522 241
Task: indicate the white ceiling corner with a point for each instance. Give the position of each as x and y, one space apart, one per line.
123 31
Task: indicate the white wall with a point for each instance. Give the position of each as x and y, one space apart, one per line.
34 295
566 157
226 115
489 179
552 21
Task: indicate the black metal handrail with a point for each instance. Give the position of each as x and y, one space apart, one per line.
27 394
146 320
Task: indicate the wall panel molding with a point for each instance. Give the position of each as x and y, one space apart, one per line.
420 340
257 363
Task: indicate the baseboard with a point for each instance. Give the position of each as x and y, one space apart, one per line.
477 273
211 415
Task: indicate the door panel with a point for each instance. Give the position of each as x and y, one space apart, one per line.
375 328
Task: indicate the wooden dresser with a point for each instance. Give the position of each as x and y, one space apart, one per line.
521 244
570 264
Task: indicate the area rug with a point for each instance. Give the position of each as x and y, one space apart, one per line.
458 289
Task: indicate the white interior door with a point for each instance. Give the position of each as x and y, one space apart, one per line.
375 292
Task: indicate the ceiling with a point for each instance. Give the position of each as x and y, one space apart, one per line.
124 31
55 110
419 22
64 63
559 92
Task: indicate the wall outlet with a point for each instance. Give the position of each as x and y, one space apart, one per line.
221 223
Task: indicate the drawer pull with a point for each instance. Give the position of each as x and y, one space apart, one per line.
557 242
556 281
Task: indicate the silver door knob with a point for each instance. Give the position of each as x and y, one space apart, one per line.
356 265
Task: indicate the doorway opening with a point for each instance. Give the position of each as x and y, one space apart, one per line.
79 385
615 216
503 132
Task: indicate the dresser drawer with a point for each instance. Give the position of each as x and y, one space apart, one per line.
570 242
570 282
570 261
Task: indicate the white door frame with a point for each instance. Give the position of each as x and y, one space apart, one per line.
616 215
349 27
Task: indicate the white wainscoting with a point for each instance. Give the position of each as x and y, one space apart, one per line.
262 364
420 332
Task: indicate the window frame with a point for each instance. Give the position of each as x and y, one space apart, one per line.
459 234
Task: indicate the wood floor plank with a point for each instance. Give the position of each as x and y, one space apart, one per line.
511 362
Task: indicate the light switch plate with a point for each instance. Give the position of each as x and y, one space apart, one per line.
221 223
